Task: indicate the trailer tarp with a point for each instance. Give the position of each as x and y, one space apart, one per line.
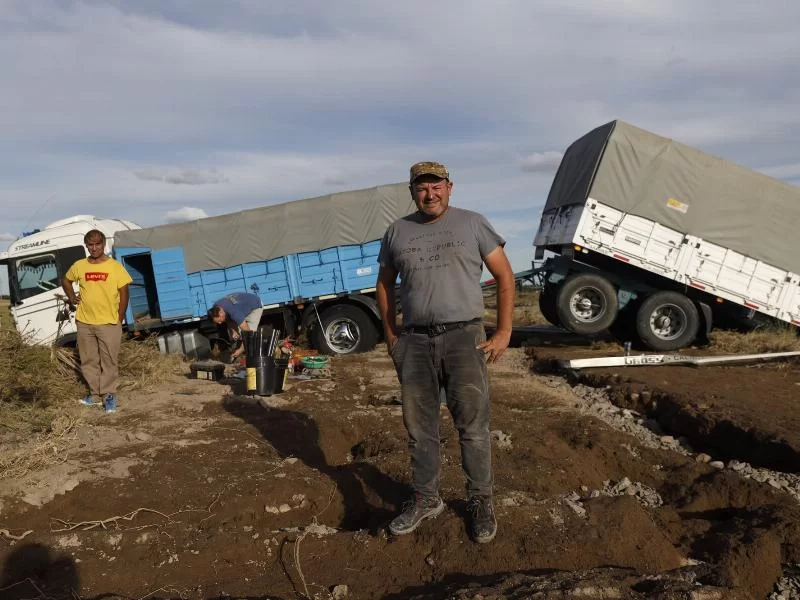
649 176
259 234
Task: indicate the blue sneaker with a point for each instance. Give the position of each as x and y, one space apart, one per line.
110 404
87 400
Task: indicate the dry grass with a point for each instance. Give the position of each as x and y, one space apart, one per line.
38 383
32 383
39 387
776 339
6 324
526 307
141 365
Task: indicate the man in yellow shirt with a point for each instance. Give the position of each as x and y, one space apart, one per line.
101 304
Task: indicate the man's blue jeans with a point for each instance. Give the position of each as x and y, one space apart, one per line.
450 361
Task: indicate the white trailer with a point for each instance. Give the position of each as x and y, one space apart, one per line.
659 242
36 263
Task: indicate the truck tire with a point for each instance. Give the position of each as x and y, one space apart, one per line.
667 321
345 329
548 298
586 304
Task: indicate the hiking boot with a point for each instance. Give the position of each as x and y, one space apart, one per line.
88 400
414 512
482 522
110 404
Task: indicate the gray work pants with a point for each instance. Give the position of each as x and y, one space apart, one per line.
450 362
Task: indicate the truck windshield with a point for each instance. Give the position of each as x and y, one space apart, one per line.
32 275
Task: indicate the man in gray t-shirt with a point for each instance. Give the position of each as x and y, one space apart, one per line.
439 253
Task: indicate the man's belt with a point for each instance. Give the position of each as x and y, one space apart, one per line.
439 328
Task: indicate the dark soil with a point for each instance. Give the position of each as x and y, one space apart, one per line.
290 497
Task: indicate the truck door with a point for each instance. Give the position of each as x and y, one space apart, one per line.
172 284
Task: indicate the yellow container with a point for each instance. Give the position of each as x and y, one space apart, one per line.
251 379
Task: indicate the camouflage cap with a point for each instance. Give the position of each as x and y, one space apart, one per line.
428 168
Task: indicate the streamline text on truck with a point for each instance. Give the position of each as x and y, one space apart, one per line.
658 242
313 263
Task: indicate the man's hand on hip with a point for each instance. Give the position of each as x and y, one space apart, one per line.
495 346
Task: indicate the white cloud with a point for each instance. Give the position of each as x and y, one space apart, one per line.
541 162
105 103
185 213
7 237
182 176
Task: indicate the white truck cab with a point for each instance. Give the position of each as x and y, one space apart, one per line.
36 263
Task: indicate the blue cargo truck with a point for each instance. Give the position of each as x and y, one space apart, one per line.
313 263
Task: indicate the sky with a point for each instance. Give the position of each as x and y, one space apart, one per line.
164 110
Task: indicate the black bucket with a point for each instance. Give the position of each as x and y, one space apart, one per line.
259 375
265 375
253 342
279 374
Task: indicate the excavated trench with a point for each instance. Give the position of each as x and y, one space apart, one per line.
751 450
717 436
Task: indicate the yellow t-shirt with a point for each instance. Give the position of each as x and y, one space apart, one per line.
99 286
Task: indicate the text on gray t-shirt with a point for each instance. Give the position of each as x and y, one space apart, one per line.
440 265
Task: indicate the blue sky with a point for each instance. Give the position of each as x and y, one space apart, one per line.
157 110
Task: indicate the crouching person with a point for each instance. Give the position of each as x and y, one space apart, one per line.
239 312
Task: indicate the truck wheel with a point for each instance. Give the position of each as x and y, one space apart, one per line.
667 321
345 329
586 304
548 305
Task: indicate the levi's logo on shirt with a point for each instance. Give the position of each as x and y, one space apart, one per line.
96 276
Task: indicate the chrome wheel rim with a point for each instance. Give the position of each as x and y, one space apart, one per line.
668 322
587 304
342 335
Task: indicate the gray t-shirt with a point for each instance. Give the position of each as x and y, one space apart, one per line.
440 265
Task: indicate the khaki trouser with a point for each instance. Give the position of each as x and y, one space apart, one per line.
253 318
98 346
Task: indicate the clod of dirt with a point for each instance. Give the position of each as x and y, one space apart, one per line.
339 592
501 439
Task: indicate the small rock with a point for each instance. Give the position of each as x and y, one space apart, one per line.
735 465
143 437
502 439
284 508
717 464
774 483
702 458
339 592
272 509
